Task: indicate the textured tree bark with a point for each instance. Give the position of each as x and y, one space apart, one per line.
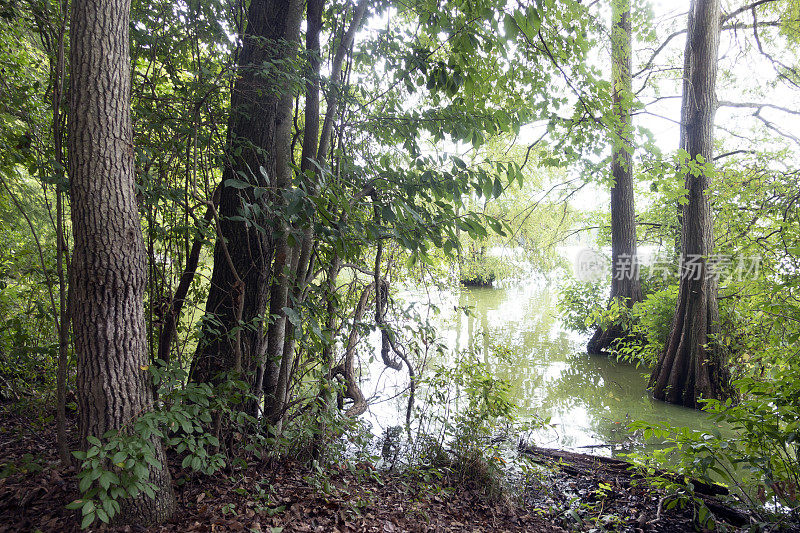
691 366
108 267
625 270
685 108
257 153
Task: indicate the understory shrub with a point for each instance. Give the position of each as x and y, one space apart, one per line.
187 419
760 464
480 270
467 427
647 325
577 301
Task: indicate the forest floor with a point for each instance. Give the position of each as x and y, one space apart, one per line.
575 493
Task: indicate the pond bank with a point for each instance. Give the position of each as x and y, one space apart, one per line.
578 495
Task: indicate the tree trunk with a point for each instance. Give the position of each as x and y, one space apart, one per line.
108 269
625 269
172 316
62 249
280 347
282 356
259 136
687 69
691 366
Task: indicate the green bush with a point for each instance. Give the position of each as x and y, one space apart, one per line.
648 325
761 464
479 270
583 308
117 466
28 349
578 301
467 427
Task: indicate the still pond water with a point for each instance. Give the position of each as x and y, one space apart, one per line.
589 399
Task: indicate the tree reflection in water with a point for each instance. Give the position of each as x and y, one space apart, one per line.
515 330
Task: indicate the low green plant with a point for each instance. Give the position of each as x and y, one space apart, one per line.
112 470
117 466
616 312
584 307
647 326
682 495
767 424
27 357
27 464
324 434
480 270
761 463
467 428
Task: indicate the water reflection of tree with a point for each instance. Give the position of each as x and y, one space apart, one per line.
475 305
611 396
517 334
537 358
520 351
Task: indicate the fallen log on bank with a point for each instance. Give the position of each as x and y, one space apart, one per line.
623 472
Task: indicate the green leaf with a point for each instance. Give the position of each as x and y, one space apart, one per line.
75 504
152 461
510 27
110 507
534 19
88 507
236 184
84 484
292 316
87 520
487 189
140 471
498 188
107 479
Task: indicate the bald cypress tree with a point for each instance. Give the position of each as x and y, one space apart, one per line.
692 367
625 272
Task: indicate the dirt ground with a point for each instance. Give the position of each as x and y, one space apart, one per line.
574 493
